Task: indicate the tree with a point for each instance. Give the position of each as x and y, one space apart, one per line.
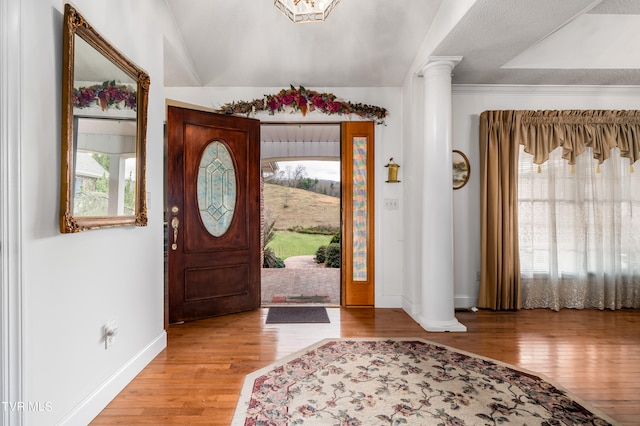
291 177
298 174
102 184
307 183
103 160
129 195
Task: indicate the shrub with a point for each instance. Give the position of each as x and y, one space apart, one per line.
321 254
336 238
332 256
315 230
270 259
269 231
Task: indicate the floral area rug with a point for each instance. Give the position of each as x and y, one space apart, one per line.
403 381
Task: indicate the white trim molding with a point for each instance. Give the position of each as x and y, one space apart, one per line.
450 61
11 322
93 404
547 90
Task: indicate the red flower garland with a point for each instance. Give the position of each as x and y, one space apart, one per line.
304 100
107 95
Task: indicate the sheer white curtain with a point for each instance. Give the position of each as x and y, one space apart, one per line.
579 233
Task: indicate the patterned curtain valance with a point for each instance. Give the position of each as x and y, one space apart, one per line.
543 131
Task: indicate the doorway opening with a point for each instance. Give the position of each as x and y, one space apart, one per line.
352 145
301 214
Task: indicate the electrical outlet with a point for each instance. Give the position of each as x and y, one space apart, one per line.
391 204
110 331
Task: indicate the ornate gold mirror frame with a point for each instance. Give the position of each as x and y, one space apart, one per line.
104 128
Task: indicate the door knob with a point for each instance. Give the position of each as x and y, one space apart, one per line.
174 224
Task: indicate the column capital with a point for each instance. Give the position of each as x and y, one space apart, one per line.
450 61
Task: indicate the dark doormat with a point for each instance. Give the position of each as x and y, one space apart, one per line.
300 298
297 315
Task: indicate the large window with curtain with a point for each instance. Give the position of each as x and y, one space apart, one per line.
560 209
579 232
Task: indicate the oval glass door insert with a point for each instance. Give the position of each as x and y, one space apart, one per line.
216 188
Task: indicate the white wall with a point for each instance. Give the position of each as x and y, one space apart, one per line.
413 135
72 285
388 223
468 103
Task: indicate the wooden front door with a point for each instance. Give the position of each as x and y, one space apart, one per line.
213 214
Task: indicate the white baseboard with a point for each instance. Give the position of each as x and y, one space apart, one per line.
93 404
412 309
460 302
388 302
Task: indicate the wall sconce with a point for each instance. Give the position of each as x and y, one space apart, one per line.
393 171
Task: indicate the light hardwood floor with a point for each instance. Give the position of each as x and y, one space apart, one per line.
196 380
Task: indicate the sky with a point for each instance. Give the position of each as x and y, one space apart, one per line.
328 170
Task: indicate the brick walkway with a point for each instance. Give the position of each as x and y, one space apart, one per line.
302 281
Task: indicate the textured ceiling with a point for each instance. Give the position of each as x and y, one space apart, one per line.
494 32
251 43
366 43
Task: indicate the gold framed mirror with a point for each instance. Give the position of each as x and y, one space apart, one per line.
104 127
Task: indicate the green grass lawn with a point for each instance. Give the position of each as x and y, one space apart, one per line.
287 244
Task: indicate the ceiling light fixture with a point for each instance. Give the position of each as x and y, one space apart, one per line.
302 11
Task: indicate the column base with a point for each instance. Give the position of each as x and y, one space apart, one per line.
442 326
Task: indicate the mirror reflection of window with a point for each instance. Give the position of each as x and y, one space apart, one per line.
105 167
105 104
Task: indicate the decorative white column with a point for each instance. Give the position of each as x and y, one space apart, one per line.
438 312
12 354
117 183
